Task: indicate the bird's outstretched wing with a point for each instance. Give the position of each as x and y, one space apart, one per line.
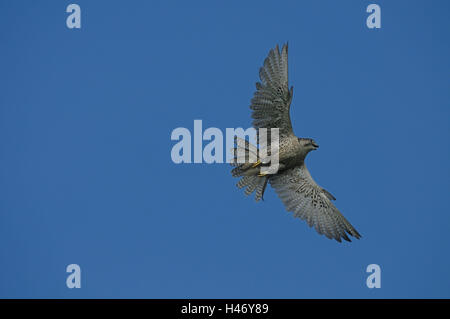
308 201
272 99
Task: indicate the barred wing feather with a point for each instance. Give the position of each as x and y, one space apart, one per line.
272 99
308 201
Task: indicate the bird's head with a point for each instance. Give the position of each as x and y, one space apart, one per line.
308 144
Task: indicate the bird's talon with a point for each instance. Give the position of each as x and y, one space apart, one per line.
258 162
262 174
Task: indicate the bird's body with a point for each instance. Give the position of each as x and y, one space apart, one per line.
292 182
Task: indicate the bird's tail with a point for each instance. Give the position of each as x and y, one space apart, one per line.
248 166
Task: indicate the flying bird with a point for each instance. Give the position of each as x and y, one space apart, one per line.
293 183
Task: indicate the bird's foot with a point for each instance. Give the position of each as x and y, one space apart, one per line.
262 174
258 162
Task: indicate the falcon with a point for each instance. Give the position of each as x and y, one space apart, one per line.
293 183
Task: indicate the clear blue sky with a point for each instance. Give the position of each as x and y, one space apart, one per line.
86 175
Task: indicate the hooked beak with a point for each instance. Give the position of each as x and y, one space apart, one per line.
316 146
